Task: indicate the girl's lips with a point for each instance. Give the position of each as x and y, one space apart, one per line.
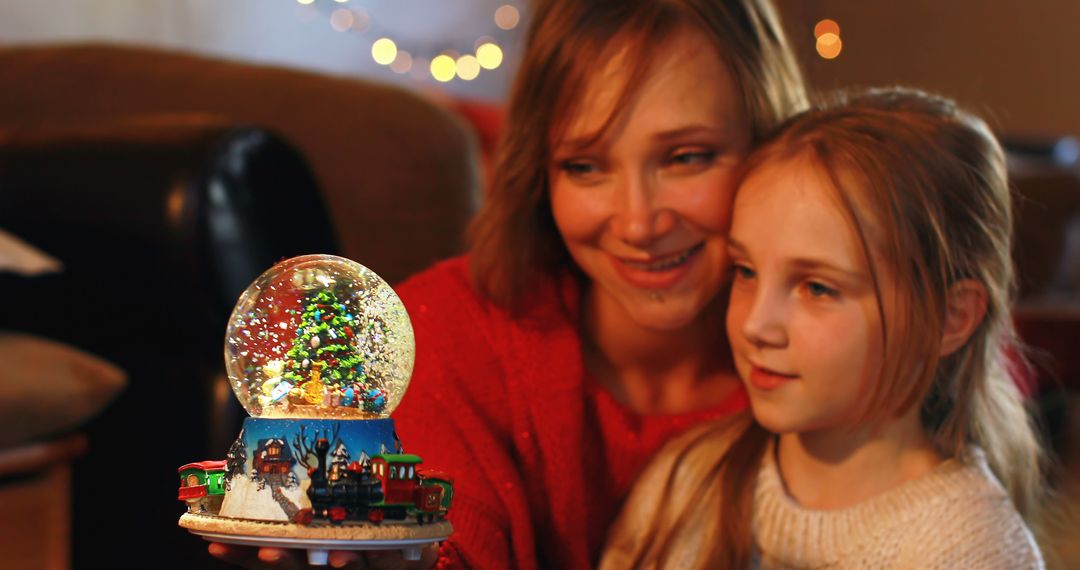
659 273
765 379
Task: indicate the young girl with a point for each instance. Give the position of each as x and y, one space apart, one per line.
869 321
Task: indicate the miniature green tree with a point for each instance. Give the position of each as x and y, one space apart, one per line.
324 343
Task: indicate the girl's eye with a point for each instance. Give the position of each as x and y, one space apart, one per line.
743 273
818 290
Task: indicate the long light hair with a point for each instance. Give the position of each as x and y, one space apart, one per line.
924 185
513 238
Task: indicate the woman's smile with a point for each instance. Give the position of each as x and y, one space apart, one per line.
657 272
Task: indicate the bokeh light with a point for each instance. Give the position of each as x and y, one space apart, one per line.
507 17
305 2
384 51
361 19
468 68
489 55
421 66
826 26
443 68
341 19
402 63
829 45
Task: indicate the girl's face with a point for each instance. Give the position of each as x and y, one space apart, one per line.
804 321
644 210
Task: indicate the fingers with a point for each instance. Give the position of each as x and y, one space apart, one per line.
345 559
233 554
277 557
252 558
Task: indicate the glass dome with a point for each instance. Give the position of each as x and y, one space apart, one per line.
319 336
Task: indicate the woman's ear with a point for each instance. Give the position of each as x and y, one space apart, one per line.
964 311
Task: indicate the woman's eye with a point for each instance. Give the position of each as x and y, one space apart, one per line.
819 290
692 157
578 167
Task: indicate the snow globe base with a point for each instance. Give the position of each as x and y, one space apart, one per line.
274 463
318 540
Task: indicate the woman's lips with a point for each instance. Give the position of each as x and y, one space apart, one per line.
765 379
661 272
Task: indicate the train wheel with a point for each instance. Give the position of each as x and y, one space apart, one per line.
337 514
304 516
376 515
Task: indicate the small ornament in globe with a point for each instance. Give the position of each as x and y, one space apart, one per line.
319 336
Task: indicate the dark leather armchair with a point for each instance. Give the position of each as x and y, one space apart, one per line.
160 226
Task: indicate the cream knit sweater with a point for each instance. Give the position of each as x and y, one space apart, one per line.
957 516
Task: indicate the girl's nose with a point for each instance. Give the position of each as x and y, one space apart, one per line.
640 218
765 324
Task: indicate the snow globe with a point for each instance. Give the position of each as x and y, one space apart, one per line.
319 351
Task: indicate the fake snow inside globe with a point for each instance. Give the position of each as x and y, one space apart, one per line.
319 336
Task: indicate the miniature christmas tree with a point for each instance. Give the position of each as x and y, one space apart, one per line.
324 366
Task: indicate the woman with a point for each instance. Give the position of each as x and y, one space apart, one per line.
581 332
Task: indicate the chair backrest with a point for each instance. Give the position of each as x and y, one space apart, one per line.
160 224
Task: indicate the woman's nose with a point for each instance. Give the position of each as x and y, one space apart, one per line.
640 216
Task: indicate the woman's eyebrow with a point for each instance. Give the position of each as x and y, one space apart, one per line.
690 130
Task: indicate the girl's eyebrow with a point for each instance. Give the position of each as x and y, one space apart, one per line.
812 264
805 263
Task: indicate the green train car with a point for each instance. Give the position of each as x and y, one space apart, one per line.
202 486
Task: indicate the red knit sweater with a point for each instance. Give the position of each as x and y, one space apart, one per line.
542 457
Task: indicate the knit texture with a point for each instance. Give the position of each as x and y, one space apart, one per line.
542 456
957 516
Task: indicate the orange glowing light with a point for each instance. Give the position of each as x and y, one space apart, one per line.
829 46
826 26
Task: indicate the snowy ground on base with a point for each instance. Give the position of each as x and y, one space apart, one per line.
245 500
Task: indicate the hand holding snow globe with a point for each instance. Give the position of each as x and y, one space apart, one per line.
319 336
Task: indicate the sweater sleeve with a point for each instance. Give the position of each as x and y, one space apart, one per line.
454 417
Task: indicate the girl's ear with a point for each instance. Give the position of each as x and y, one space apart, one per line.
964 311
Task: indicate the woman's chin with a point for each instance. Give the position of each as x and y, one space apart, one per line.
666 315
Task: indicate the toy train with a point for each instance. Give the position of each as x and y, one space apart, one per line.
202 486
387 487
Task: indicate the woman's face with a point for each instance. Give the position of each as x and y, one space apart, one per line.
645 207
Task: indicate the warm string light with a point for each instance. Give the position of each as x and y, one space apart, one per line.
444 67
829 44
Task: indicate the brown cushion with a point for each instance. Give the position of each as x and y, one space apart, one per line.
47 387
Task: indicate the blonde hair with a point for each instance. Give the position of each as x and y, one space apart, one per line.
513 238
923 184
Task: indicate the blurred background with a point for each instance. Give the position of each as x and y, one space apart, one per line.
156 155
